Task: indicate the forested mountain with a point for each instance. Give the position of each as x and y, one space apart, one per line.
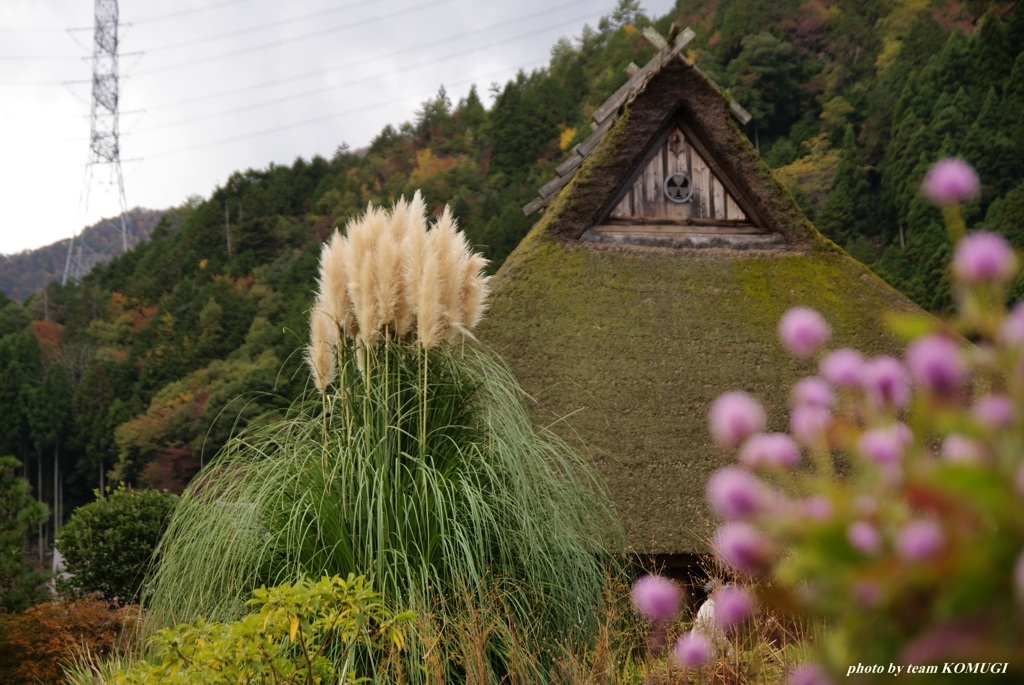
148 364
29 271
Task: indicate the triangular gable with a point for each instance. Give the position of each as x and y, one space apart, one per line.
665 159
677 184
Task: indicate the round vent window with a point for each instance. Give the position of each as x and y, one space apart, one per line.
678 187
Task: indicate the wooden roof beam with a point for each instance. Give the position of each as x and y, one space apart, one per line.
612 104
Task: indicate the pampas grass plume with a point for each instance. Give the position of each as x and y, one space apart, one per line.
389 274
388 261
446 247
414 249
474 290
334 297
361 268
428 306
319 352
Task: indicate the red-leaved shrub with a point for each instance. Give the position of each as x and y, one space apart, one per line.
35 643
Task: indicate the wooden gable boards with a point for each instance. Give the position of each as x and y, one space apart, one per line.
679 185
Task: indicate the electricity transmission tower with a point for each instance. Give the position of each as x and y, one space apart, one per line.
104 146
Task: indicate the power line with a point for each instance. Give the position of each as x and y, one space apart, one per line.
322 32
320 91
171 15
146 19
321 72
261 27
325 117
288 79
205 39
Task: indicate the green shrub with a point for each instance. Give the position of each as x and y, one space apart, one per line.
303 633
108 544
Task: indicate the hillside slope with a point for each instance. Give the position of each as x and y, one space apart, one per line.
27 272
145 367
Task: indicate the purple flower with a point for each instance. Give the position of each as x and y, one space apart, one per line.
817 508
693 649
863 537
904 433
867 593
808 674
882 445
843 368
950 181
960 449
984 257
734 605
809 423
1018 576
995 411
885 381
865 505
812 391
735 494
734 417
770 449
740 547
919 540
936 364
803 330
1011 332
656 598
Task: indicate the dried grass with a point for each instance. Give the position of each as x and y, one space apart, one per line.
392 276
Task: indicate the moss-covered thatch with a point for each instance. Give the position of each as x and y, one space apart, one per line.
632 344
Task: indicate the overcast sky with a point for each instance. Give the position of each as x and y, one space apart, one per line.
226 85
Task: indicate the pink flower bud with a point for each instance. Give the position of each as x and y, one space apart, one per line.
808 674
773 450
735 494
863 537
803 331
882 445
741 548
817 508
867 593
865 505
656 598
813 391
984 257
936 364
950 181
843 368
995 411
959 449
809 423
886 383
734 605
734 417
919 540
1011 332
693 649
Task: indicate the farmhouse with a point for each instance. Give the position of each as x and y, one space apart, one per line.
654 281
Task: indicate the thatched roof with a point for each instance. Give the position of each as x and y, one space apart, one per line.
631 344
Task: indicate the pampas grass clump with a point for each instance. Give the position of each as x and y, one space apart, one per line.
415 463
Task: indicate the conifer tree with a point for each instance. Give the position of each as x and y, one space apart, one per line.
993 56
19 514
845 210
